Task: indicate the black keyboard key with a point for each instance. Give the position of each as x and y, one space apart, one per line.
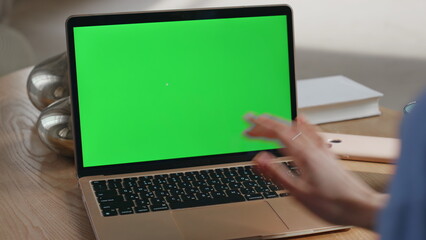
125 204
230 174
98 182
145 178
174 179
131 196
142 202
284 194
159 181
106 193
274 187
109 212
255 196
155 187
216 175
249 184
262 183
206 189
146 194
144 182
125 190
235 185
161 193
188 178
192 190
115 185
140 190
232 192
218 194
203 196
268 182
270 194
262 189
255 177
110 199
157 201
176 192
220 187
243 169
173 199
100 187
141 209
159 207
199 183
247 191
213 182
125 211
108 205
129 184
229 180
188 197
184 184
203 177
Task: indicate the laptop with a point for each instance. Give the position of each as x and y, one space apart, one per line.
158 100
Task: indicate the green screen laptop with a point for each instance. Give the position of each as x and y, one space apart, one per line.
158 100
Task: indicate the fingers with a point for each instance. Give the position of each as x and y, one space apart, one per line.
261 130
300 139
267 126
310 131
279 174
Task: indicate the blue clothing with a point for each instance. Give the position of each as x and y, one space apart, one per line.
404 218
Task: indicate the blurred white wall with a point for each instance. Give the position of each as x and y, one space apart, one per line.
382 27
380 43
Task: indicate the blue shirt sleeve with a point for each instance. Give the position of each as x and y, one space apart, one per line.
404 217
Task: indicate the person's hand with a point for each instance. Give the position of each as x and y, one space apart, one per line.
323 186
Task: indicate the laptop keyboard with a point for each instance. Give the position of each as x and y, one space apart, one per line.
183 190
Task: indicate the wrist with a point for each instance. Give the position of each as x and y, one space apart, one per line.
369 208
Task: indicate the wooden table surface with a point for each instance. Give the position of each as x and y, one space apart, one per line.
39 196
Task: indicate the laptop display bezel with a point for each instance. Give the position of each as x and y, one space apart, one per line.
162 16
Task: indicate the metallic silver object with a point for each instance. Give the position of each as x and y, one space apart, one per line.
54 127
48 81
409 107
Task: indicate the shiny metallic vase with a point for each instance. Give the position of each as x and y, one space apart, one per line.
48 81
54 126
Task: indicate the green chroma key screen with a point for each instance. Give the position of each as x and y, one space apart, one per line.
166 90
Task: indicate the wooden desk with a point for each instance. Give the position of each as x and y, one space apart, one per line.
39 197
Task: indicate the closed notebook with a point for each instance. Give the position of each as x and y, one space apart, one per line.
336 98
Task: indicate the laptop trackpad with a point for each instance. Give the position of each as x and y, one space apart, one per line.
236 220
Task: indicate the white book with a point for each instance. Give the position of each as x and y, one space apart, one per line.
335 98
